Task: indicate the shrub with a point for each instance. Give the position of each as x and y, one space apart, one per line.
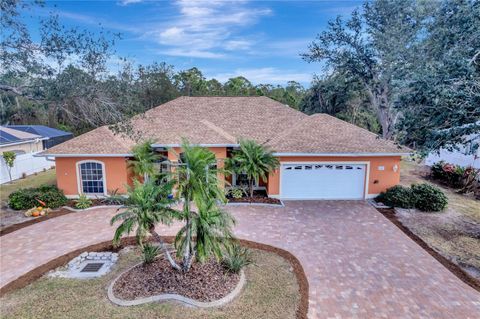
26 198
149 252
429 198
450 174
397 196
236 258
83 202
236 192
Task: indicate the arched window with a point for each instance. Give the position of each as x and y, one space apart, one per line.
91 177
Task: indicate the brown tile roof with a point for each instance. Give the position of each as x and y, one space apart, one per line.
325 134
98 141
225 120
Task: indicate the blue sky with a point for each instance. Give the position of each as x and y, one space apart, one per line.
260 40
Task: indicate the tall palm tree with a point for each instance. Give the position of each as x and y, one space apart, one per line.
208 228
144 159
148 204
253 160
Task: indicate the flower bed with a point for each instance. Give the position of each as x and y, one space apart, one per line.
259 197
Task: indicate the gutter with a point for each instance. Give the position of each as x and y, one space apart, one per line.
344 154
83 155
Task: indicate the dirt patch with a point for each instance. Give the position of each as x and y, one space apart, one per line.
255 302
454 268
204 282
23 221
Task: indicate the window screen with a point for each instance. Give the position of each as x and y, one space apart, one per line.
91 178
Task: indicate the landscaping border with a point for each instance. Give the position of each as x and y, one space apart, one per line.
38 272
389 213
175 297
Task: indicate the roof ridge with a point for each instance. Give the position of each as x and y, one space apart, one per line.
219 130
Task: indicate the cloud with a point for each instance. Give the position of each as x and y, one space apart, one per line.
207 29
127 2
266 75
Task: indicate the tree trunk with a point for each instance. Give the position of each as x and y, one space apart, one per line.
380 100
250 186
158 238
187 256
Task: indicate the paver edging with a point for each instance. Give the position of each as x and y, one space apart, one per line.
175 297
281 205
76 210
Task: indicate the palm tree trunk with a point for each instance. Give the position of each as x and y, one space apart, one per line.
250 185
164 248
188 236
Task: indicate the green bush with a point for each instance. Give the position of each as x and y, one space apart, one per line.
149 252
236 258
397 196
236 192
83 202
429 198
26 198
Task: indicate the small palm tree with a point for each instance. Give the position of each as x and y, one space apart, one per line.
144 159
253 160
148 204
197 182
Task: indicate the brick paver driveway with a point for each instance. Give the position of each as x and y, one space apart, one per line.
358 264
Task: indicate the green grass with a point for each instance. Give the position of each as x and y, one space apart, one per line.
271 292
42 178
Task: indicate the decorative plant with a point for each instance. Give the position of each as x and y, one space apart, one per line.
83 202
9 158
253 160
26 198
236 258
237 192
144 159
149 253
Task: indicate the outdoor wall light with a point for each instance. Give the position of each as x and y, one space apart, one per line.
395 168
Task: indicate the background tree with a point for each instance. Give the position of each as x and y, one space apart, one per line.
371 46
441 103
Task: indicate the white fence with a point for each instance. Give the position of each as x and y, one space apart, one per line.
25 164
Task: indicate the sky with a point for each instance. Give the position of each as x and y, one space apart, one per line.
261 40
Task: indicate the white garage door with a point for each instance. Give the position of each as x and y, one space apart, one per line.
322 181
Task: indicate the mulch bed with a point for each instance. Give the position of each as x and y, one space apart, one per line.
256 200
207 281
15 227
389 213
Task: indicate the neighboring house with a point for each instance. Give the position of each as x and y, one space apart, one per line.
26 144
465 155
54 135
321 156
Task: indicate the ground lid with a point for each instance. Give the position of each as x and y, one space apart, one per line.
92 267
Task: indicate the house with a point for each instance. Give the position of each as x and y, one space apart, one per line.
466 154
321 156
25 146
53 136
27 141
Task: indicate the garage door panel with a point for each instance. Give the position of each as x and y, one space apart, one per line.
322 181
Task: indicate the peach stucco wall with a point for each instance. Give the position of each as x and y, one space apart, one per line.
378 181
117 174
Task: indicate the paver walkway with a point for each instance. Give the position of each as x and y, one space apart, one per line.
358 264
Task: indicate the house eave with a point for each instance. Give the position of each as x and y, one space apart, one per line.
84 155
342 154
202 145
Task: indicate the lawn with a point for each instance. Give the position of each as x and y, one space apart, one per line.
271 291
455 232
42 178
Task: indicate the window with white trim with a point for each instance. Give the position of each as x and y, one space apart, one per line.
91 178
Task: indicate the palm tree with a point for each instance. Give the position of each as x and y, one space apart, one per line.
144 160
197 182
148 204
253 160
